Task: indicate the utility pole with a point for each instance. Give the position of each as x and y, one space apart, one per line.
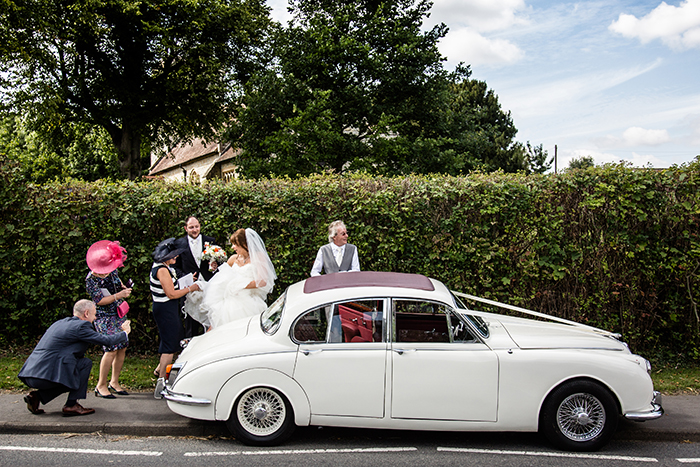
555 158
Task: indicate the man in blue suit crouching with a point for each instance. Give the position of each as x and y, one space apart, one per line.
58 363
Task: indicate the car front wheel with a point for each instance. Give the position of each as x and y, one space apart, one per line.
261 417
579 416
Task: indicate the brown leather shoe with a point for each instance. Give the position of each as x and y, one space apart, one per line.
32 400
77 409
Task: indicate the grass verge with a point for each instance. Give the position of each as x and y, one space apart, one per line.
137 373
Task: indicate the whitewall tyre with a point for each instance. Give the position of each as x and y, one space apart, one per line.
261 416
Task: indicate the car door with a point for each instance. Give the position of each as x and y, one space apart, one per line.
440 370
341 360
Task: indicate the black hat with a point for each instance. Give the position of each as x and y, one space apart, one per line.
167 249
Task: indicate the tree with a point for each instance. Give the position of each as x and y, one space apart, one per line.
478 134
358 85
36 163
583 162
537 159
146 72
78 150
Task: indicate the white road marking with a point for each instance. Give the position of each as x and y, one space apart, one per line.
551 454
297 451
689 460
82 451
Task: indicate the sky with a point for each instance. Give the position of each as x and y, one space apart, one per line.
618 80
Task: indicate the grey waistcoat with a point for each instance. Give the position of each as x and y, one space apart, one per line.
329 264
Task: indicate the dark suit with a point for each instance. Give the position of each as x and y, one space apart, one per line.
186 264
58 363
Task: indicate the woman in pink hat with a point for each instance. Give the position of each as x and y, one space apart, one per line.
107 291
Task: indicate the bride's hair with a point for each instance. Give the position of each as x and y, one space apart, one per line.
238 238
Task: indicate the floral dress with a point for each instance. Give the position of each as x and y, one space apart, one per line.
107 321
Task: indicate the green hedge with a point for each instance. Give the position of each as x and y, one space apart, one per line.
612 247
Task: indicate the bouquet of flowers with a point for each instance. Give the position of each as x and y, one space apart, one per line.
214 253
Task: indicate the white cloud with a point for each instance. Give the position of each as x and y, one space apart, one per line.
676 26
480 15
467 45
635 136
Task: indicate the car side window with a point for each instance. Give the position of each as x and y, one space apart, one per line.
423 321
358 321
312 326
353 321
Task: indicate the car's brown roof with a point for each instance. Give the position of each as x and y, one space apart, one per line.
367 279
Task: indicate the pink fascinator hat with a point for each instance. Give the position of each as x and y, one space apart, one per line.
105 256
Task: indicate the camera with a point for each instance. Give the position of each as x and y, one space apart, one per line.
129 283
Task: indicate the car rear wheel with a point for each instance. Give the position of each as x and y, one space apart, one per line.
579 416
261 417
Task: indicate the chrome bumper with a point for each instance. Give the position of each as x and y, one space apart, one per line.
181 398
656 412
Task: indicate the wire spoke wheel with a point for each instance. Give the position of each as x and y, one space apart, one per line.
261 411
581 417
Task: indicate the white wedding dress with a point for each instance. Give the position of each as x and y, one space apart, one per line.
224 298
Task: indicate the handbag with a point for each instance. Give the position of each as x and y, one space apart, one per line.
122 309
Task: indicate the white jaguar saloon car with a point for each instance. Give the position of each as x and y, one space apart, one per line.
401 351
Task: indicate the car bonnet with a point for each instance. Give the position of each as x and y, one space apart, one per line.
530 334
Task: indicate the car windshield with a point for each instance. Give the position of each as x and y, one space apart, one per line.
458 301
270 319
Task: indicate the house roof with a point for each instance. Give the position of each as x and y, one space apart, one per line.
189 152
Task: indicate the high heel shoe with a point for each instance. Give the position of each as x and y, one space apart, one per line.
110 396
119 393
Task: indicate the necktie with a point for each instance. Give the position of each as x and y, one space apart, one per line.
338 256
196 252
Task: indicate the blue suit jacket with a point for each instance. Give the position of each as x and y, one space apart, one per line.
56 356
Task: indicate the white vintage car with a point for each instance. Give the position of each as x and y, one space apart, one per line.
401 351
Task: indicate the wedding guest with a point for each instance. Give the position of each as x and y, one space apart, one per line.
190 261
337 255
166 295
58 364
107 291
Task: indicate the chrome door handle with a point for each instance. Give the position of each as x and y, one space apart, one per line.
307 352
402 351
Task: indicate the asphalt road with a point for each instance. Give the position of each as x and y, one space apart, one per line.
337 447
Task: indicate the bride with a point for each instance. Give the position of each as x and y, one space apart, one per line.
239 288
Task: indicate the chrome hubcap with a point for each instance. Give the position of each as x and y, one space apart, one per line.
581 417
261 411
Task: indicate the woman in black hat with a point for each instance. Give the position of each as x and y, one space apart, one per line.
166 295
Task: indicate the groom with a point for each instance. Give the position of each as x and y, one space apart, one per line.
191 261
